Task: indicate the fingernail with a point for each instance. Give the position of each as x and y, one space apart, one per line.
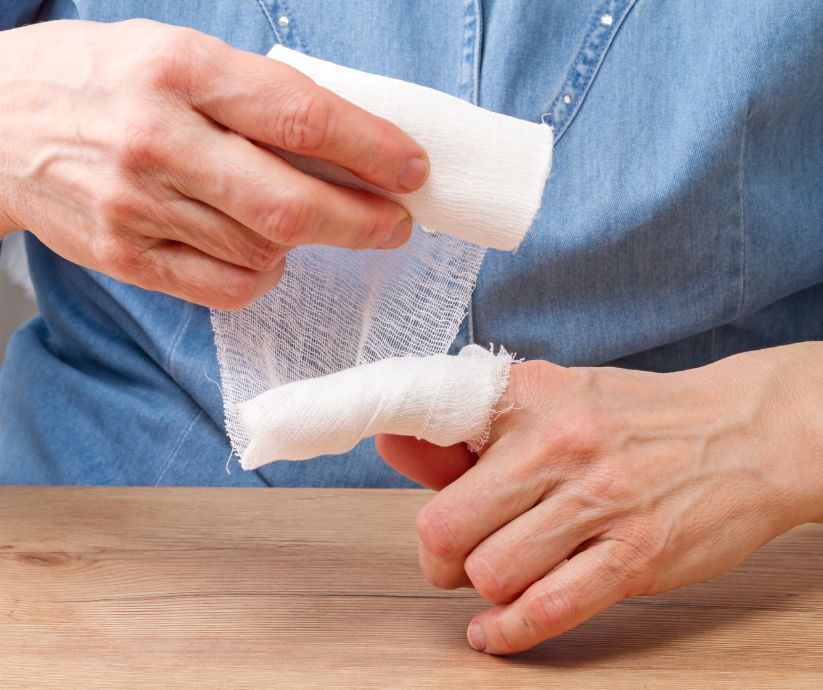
414 174
399 234
476 637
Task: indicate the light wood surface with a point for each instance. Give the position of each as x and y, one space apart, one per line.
237 588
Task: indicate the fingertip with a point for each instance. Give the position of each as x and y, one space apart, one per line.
269 279
484 632
476 637
414 173
398 235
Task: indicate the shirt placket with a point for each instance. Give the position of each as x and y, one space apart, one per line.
468 90
605 23
283 24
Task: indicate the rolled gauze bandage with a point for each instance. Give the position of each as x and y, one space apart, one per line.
443 399
485 185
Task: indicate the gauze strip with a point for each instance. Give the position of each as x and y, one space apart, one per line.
336 308
487 170
441 398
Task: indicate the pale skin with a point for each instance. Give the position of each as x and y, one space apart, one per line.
604 483
135 149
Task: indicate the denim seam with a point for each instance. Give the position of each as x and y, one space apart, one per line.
741 303
178 445
466 87
289 34
470 89
270 20
285 35
477 57
176 340
586 66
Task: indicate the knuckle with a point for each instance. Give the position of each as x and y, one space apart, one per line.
304 122
115 208
529 385
637 557
289 220
167 57
529 379
117 255
435 533
375 225
379 150
571 437
580 431
143 143
264 256
549 608
489 582
503 636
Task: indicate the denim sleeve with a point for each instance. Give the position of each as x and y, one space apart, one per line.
15 13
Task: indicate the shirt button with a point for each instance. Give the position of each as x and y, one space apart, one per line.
567 99
283 20
606 19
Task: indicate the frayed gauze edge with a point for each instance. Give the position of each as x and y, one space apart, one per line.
442 399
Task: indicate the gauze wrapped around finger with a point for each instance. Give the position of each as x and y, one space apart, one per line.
441 398
336 308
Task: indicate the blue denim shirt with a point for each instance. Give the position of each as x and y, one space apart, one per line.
683 221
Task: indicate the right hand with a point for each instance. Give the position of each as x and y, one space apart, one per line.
128 148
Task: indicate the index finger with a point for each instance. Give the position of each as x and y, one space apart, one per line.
275 104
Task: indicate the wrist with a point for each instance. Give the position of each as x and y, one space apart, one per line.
793 421
10 112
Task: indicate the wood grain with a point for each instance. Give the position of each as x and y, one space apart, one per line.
249 588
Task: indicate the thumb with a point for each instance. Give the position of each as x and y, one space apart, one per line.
425 463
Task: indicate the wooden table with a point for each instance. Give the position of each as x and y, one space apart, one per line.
237 588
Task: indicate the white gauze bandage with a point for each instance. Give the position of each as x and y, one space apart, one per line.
441 398
335 309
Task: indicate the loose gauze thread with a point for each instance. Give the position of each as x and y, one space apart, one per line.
335 309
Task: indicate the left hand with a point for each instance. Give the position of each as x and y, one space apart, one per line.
605 483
